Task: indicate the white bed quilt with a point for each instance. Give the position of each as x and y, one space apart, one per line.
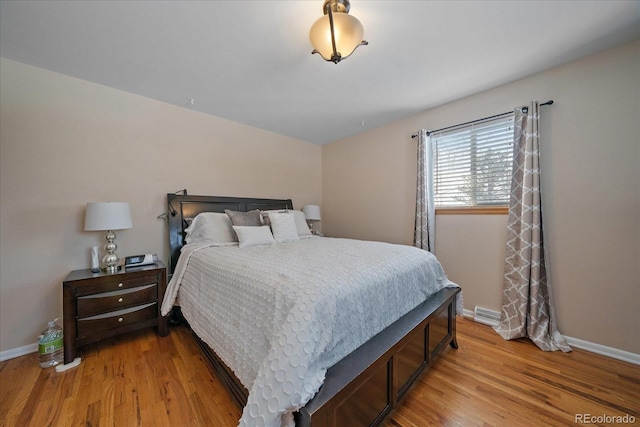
280 315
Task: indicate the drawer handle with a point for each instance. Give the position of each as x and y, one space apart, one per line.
120 299
120 320
120 285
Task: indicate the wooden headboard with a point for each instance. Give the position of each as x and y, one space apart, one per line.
182 208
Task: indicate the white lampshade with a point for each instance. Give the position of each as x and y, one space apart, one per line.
312 212
348 33
102 216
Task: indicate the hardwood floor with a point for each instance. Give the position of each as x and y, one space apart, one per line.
142 379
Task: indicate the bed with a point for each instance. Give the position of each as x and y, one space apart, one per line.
339 385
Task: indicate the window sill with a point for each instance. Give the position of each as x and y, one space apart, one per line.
489 210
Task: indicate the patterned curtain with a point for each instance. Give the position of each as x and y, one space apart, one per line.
424 235
527 305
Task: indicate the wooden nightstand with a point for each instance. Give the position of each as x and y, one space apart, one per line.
99 305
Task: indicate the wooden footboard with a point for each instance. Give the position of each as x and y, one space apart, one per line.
366 385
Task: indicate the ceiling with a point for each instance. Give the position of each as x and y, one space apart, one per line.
251 62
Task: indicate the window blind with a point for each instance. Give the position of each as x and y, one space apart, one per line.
473 163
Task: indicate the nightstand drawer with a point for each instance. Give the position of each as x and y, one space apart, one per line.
119 283
116 319
90 305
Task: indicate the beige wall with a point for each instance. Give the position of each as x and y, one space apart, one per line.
65 142
591 194
60 137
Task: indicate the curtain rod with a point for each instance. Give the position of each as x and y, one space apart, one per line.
524 109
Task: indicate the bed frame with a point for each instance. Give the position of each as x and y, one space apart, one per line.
362 388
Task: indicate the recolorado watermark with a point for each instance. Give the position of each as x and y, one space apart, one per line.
604 419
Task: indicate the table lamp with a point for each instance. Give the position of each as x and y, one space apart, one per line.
108 216
311 213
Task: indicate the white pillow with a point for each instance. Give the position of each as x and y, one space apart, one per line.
300 221
301 224
283 226
249 235
213 227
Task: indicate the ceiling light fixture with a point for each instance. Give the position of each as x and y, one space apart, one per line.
337 34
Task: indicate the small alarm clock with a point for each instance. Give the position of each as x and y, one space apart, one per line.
140 260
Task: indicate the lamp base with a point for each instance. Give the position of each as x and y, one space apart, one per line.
111 259
111 269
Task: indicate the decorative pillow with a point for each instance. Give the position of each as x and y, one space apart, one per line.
301 224
298 217
249 235
211 227
265 217
251 218
283 226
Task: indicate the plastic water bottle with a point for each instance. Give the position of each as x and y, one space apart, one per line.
50 345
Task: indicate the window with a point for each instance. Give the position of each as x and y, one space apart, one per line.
472 164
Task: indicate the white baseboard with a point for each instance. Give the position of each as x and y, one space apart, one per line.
603 350
17 352
467 314
614 353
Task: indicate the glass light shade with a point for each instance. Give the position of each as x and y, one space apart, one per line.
348 31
